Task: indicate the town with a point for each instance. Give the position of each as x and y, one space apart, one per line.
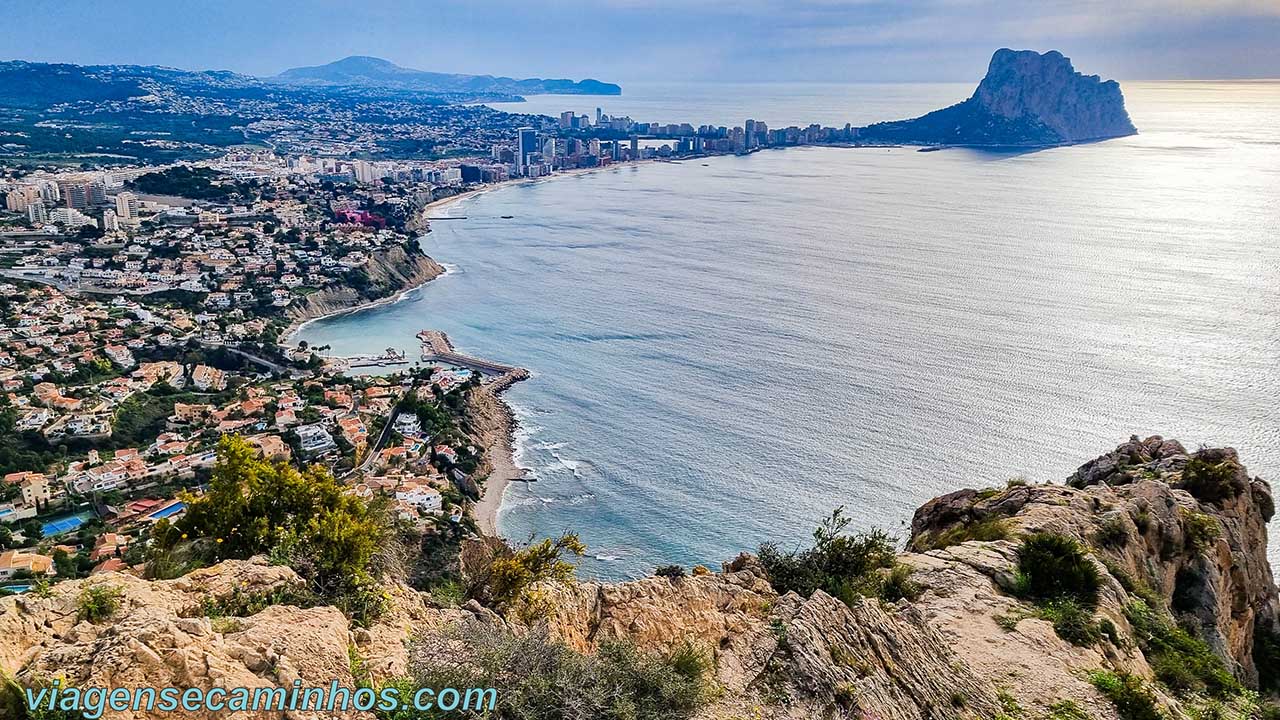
147 311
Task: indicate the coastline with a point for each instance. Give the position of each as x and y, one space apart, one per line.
424 215
496 417
498 427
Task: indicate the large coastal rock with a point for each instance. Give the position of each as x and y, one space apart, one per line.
967 647
1026 99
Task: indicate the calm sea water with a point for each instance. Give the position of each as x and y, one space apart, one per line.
725 350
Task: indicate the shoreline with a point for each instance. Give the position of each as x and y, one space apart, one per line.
500 436
424 215
500 449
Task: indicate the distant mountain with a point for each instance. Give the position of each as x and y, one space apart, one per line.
366 71
1026 99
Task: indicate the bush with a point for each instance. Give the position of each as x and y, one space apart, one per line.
1112 533
98 603
306 519
1134 586
1132 698
1071 621
671 572
241 603
1182 662
538 678
1053 566
841 565
1200 530
13 700
987 529
1066 710
507 580
1209 482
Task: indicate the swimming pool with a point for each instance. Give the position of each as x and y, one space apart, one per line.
168 511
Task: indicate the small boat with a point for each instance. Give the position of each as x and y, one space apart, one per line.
507 217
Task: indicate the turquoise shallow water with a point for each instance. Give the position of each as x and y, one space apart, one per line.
725 350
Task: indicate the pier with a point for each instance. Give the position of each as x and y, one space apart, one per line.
437 348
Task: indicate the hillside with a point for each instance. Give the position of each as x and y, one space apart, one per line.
1139 590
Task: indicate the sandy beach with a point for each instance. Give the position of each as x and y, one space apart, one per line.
498 425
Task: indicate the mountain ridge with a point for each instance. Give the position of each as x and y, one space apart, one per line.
366 70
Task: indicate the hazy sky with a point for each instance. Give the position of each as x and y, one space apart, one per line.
631 40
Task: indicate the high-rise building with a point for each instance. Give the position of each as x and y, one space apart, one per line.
109 221
74 195
567 119
599 116
635 147
363 171
526 145
15 201
126 205
36 213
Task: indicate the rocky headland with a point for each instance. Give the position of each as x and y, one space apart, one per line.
1181 623
386 274
1026 99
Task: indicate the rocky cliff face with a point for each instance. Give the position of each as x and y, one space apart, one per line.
389 272
1026 99
1183 530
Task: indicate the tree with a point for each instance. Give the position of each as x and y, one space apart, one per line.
510 576
256 507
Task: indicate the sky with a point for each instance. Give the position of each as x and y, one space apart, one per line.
660 40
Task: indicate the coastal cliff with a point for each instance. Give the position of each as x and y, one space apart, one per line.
387 273
1025 99
1184 619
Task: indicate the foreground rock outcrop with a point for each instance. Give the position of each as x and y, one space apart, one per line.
1181 530
1026 99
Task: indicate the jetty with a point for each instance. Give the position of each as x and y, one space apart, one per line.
436 348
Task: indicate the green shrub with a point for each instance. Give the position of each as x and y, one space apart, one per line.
671 572
987 529
1200 530
13 700
1142 521
1066 710
1053 566
98 603
1132 698
538 678
335 540
507 580
1134 586
1182 662
1071 621
842 565
448 593
1209 482
241 603
1112 533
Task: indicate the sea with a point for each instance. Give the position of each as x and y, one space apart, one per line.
725 350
